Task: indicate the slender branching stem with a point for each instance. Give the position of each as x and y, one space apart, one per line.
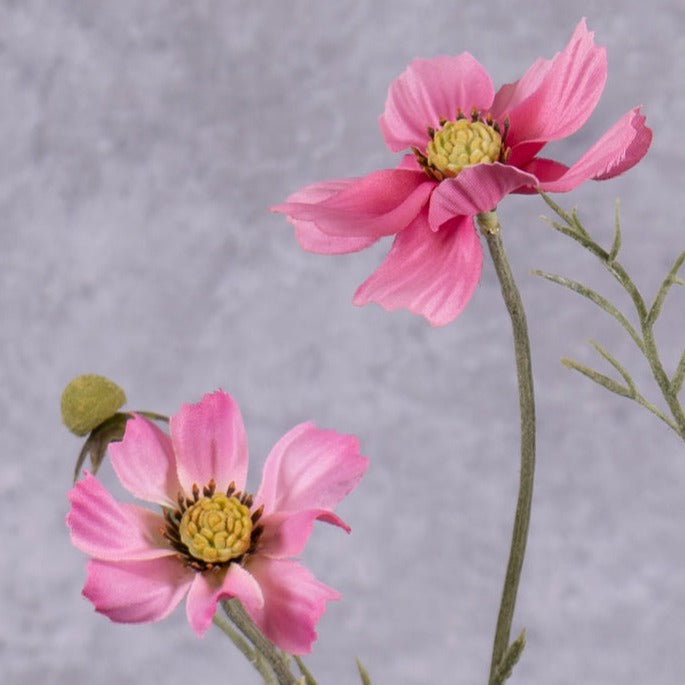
647 316
490 228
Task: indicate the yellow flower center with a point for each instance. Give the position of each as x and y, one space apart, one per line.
463 143
216 529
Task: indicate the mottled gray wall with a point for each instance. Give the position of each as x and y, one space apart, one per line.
140 144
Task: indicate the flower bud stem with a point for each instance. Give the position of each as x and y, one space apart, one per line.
276 659
252 655
490 228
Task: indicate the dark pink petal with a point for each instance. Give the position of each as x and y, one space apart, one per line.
310 468
555 97
285 534
382 203
210 443
619 149
431 89
430 273
310 237
145 463
208 588
137 591
294 601
476 189
544 170
106 529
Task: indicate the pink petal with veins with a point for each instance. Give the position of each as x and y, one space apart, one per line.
294 601
145 462
210 443
476 189
555 97
286 533
619 149
308 234
310 468
432 273
208 588
431 89
110 530
382 203
137 591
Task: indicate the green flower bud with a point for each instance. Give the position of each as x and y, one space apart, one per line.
88 401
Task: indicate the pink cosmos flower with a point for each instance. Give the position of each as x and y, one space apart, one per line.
213 540
470 148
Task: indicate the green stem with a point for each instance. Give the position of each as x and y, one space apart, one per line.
153 415
664 383
250 654
276 659
490 227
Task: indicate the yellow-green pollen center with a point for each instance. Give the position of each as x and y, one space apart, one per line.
462 143
216 529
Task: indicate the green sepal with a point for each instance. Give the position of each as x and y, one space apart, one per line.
88 401
111 430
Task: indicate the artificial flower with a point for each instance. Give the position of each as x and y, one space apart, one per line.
470 147
212 540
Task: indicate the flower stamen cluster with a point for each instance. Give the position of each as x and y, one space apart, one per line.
211 531
462 143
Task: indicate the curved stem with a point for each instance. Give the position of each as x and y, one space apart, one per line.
276 659
489 226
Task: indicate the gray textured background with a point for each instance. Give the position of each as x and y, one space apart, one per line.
140 144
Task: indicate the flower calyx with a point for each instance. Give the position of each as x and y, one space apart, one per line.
461 143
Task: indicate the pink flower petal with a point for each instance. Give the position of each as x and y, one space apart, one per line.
286 534
145 463
382 203
210 443
476 189
208 588
106 529
429 89
307 233
309 468
619 149
427 272
544 170
294 601
555 97
137 591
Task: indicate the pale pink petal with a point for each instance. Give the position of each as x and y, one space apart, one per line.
210 443
382 203
476 189
209 587
432 273
137 591
145 463
431 89
310 468
294 601
106 529
555 97
285 533
619 149
307 233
